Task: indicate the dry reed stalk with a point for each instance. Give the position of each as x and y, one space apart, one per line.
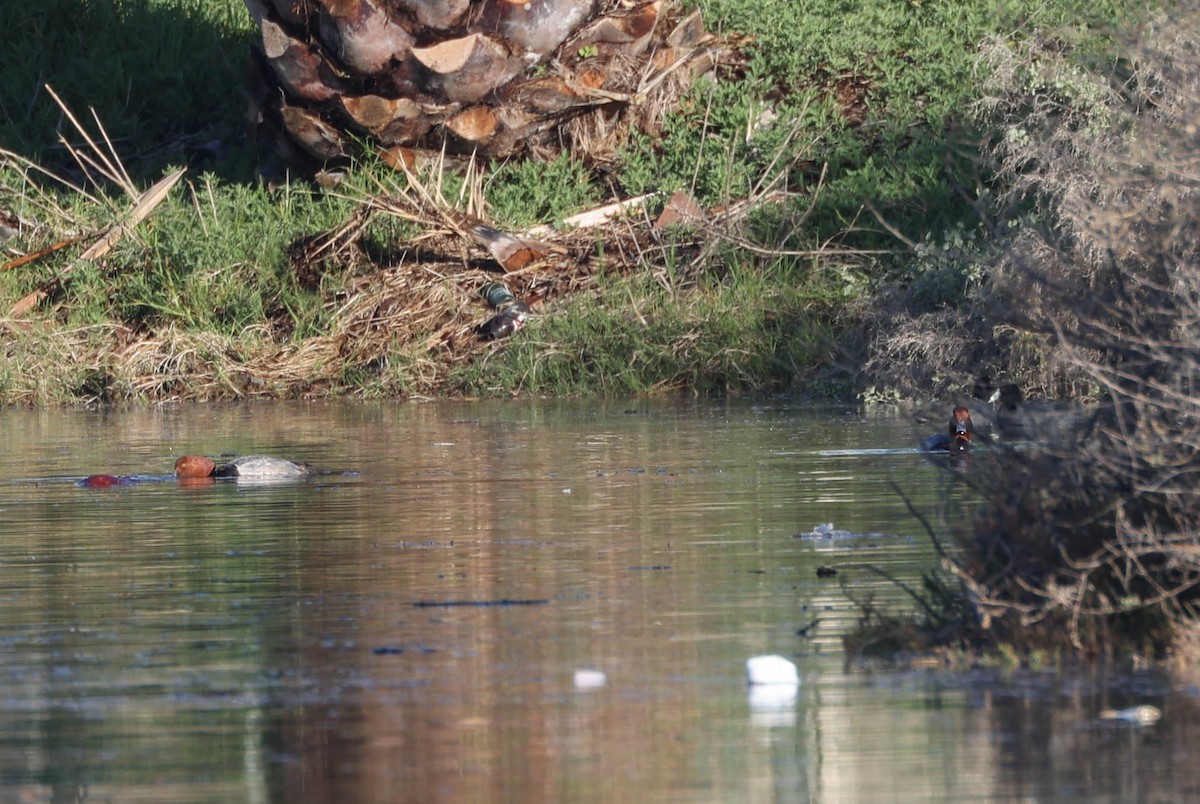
105 161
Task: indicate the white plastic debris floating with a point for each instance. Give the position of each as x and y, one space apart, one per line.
589 679
1138 715
774 683
773 704
772 669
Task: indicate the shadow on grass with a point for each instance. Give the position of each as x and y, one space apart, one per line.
166 78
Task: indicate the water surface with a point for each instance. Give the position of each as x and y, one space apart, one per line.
408 625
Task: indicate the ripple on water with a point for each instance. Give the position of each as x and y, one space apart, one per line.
270 643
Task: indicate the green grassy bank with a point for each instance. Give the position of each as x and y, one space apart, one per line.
857 117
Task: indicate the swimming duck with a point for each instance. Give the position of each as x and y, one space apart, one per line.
247 466
957 438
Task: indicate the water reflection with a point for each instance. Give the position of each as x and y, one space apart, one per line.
410 625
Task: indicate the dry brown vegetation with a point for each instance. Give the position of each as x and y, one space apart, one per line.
1091 539
422 298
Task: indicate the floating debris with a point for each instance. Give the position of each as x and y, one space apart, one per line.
511 316
503 601
773 685
589 679
771 669
806 631
773 705
1144 715
826 530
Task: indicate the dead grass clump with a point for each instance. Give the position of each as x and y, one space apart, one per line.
935 353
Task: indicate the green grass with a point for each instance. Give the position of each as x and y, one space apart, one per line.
154 71
870 95
884 85
749 331
525 193
211 258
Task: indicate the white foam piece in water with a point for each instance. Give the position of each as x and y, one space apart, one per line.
590 679
772 669
774 699
1144 715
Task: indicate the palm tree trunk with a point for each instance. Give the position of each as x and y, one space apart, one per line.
491 77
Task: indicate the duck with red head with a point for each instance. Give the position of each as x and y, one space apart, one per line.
191 467
957 438
248 467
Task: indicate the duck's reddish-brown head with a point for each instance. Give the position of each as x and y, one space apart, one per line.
190 466
961 426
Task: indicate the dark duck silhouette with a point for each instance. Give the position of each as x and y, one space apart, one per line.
957 438
1008 398
1020 419
1008 406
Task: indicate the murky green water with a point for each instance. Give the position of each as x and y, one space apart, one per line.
408 626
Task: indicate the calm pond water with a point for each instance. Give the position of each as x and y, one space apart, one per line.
409 626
